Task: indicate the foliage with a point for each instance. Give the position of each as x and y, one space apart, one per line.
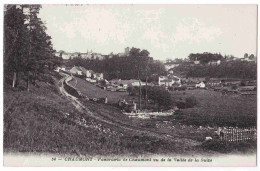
137 65
27 47
205 57
229 69
103 83
160 96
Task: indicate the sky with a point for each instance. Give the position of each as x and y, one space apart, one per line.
166 31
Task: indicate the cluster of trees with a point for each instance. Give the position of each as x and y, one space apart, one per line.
158 95
227 68
232 69
252 56
138 65
27 48
205 57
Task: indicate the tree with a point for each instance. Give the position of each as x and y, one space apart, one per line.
252 56
15 34
28 48
103 83
205 57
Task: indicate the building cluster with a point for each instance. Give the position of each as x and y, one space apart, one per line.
170 64
89 75
90 54
226 84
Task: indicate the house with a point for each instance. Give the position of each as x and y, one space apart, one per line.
57 69
165 81
76 70
84 70
201 85
126 83
196 62
193 79
171 65
218 62
99 76
63 68
136 83
214 82
88 74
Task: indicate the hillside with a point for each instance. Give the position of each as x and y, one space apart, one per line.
37 121
34 122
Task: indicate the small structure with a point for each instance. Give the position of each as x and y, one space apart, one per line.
57 69
165 81
218 62
214 82
76 70
99 76
201 85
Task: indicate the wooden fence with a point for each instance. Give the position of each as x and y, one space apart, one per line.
238 134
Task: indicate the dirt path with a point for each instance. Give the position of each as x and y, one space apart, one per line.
136 130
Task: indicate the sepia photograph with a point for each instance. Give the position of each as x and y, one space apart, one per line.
130 84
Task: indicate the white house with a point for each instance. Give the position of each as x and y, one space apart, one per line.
63 68
170 66
99 76
137 83
57 69
88 74
76 70
201 85
196 62
214 62
164 80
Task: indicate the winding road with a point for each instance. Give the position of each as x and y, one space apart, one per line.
136 130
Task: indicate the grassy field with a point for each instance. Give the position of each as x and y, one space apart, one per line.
34 122
92 91
215 109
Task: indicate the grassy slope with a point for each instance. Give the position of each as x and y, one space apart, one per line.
216 109
173 127
93 91
34 122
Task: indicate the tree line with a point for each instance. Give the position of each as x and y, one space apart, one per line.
205 57
227 69
28 48
137 65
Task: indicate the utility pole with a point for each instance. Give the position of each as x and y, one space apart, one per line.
140 91
146 84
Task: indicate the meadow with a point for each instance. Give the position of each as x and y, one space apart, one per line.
216 109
